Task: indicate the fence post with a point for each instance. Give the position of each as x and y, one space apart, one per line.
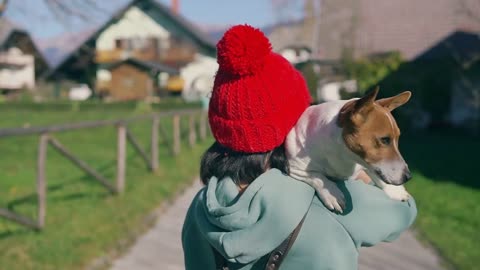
192 135
203 126
121 157
154 143
176 134
81 164
41 185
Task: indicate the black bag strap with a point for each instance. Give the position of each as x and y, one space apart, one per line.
220 261
275 258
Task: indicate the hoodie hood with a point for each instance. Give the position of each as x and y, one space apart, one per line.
245 227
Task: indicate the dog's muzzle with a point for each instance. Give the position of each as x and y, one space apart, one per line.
406 176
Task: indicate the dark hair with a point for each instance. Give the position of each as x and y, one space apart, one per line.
221 162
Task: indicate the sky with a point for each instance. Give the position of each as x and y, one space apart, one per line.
34 15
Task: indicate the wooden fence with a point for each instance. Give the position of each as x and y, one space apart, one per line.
196 118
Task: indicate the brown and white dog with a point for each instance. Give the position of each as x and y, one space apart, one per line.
338 139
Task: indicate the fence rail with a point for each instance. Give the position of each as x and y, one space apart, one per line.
197 119
10 132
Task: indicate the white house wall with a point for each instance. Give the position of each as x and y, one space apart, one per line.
134 23
198 77
19 77
332 91
294 58
104 75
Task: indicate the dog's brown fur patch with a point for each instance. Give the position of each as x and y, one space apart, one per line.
369 129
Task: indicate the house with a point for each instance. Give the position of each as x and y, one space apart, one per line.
20 60
445 82
336 29
459 53
146 33
295 40
296 54
132 79
363 27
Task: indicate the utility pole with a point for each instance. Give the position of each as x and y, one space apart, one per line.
316 13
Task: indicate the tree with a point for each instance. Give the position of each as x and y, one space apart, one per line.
3 7
286 10
470 10
63 11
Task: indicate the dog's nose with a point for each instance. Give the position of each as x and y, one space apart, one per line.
406 175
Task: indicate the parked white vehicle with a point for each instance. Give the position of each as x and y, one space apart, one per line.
80 92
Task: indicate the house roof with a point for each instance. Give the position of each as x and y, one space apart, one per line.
145 65
463 46
289 35
183 22
370 26
196 34
7 28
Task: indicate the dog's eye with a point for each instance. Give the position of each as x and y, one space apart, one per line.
385 140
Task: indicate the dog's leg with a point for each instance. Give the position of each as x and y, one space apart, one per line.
398 193
331 196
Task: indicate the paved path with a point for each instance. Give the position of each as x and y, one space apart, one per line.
160 248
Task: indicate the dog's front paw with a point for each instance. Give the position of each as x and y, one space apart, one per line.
398 193
331 196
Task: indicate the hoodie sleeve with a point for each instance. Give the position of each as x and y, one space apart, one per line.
197 252
371 216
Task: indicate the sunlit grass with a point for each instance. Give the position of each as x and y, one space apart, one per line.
83 219
446 188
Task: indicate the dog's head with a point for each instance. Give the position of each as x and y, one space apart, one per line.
370 131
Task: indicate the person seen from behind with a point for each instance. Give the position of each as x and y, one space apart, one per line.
251 215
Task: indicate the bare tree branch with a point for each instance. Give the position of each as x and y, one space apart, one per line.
63 11
284 10
468 11
3 7
92 4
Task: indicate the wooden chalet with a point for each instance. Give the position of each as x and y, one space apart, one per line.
133 79
20 60
146 38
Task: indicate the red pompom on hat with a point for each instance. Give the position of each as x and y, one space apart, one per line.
257 96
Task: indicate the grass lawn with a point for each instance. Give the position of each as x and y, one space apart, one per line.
446 188
83 220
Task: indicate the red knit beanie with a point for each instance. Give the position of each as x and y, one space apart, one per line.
257 96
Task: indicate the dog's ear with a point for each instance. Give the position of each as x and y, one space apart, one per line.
392 103
357 110
366 102
345 113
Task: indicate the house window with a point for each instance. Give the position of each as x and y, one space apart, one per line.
123 44
152 44
137 44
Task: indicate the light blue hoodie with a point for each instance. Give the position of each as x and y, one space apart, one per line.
245 228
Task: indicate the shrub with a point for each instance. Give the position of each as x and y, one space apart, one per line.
370 71
311 77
